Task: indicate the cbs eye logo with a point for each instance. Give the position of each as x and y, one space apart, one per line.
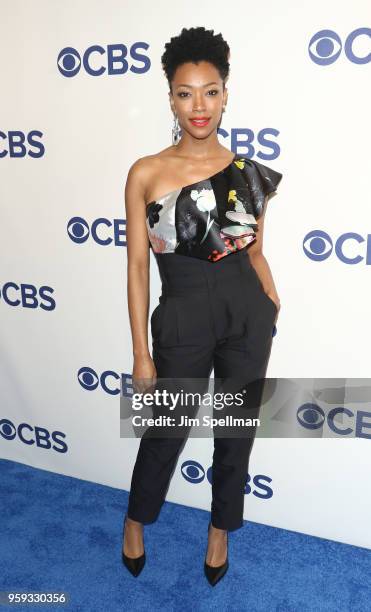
325 47
311 416
97 60
193 471
7 429
318 246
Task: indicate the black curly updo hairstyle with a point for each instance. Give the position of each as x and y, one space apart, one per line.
195 45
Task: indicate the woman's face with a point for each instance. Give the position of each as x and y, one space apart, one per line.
197 92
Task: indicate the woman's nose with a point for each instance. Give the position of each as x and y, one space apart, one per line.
198 103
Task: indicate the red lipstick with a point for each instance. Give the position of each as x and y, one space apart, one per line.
199 121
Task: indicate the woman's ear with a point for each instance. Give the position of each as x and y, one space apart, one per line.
171 102
225 97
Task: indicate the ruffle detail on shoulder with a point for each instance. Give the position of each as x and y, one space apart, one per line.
249 182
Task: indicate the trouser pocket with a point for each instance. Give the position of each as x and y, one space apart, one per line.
164 322
271 302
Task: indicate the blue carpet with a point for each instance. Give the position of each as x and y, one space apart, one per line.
65 534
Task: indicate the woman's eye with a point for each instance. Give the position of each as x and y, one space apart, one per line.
184 94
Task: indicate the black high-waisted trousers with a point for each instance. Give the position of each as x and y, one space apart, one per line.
210 315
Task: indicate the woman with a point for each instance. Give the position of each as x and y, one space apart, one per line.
198 207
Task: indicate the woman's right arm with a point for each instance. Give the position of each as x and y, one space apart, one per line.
138 260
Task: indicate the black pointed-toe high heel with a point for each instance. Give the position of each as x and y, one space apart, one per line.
133 564
214 574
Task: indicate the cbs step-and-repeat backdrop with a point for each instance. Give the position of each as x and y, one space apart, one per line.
83 96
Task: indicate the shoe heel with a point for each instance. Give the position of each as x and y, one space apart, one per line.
214 574
133 564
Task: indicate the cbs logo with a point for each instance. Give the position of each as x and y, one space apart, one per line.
100 230
19 144
325 47
313 417
27 296
30 435
90 380
194 473
97 60
318 246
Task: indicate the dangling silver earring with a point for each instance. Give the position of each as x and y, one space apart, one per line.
176 131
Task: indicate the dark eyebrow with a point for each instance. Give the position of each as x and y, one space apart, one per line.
190 86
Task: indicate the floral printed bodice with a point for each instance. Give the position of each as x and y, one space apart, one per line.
213 217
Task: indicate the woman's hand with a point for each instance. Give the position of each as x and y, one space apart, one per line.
144 374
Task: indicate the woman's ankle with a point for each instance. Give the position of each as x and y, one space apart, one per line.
130 521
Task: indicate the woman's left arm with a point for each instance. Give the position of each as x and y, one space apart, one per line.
258 260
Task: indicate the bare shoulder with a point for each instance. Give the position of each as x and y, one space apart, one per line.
138 170
144 169
149 162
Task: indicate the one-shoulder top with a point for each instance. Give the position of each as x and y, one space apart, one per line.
213 217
